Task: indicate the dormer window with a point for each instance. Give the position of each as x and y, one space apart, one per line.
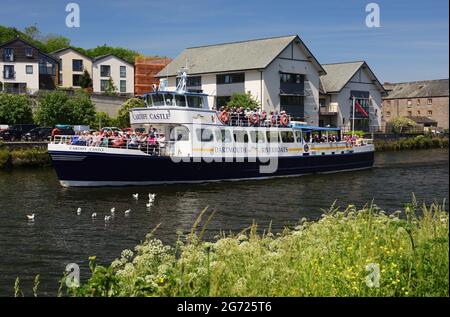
8 55
29 52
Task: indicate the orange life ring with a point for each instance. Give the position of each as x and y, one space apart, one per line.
284 120
254 118
224 117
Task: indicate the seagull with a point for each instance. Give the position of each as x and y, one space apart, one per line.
94 215
30 217
149 204
127 212
151 197
107 218
79 211
113 209
135 196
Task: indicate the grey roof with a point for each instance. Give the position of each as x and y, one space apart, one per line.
338 75
244 55
418 89
56 53
98 58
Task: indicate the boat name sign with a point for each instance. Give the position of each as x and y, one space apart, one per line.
145 116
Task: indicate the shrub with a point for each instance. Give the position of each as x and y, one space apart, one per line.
123 117
401 123
30 157
102 119
246 101
4 157
15 109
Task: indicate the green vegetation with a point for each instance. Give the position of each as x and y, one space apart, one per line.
57 107
246 101
337 255
357 133
400 124
102 120
15 109
85 80
415 143
123 117
24 157
110 89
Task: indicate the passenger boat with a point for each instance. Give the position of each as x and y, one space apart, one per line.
205 145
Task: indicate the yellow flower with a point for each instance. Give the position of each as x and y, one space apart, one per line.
161 280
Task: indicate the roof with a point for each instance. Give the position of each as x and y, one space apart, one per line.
98 58
29 44
72 49
234 56
339 74
423 120
417 89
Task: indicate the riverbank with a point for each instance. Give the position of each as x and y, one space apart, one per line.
412 143
24 157
351 252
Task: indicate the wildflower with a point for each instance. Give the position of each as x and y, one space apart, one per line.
161 280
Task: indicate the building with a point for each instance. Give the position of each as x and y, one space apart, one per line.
145 70
280 72
72 66
426 102
342 82
112 67
25 68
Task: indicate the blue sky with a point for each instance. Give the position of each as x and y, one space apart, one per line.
411 44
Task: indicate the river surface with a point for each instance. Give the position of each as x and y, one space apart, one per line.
59 236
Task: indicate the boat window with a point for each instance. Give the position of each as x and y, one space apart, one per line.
223 136
240 136
181 100
298 136
204 135
257 136
179 134
195 101
273 136
157 100
287 136
169 100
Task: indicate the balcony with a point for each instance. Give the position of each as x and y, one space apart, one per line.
329 110
9 74
8 58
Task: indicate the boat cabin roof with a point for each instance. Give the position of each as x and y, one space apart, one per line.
174 92
313 128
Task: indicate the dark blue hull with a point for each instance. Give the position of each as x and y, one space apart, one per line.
100 169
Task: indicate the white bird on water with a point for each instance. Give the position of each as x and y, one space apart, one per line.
113 210
149 204
151 197
94 215
79 211
136 196
127 212
30 217
107 218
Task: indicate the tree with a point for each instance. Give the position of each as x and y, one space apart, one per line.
102 119
32 31
54 42
15 109
123 117
247 101
85 80
110 89
126 54
56 107
400 123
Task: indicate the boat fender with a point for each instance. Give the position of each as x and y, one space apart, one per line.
254 118
284 120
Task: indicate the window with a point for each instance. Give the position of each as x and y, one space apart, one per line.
293 105
221 101
29 69
230 78
409 102
179 134
77 65
388 114
257 137
430 113
181 100
123 86
240 136
272 136
157 99
418 102
287 136
292 78
105 70
409 113
195 101
8 55
194 81
388 102
103 84
224 136
76 80
418 112
29 52
298 136
123 71
204 135
169 99
430 101
8 72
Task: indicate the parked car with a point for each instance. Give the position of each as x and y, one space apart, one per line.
65 129
16 132
38 134
112 129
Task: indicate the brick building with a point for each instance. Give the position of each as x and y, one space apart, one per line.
145 69
426 102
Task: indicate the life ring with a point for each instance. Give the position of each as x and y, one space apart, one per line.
273 119
254 119
284 120
224 117
306 147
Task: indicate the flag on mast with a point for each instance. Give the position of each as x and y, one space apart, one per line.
360 109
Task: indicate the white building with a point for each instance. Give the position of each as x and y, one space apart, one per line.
119 70
72 66
280 72
342 82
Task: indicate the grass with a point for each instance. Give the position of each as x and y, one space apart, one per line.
414 143
333 256
24 157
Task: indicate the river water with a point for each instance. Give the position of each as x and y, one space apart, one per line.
59 236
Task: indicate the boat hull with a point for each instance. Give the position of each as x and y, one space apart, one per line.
102 169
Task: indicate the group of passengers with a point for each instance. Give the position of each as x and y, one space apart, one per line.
239 116
321 138
149 142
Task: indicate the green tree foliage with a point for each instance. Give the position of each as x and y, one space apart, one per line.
123 118
247 101
56 107
126 54
110 89
8 34
32 31
15 109
102 119
399 124
86 80
55 42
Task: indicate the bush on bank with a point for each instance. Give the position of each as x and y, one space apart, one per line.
333 256
24 157
416 143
